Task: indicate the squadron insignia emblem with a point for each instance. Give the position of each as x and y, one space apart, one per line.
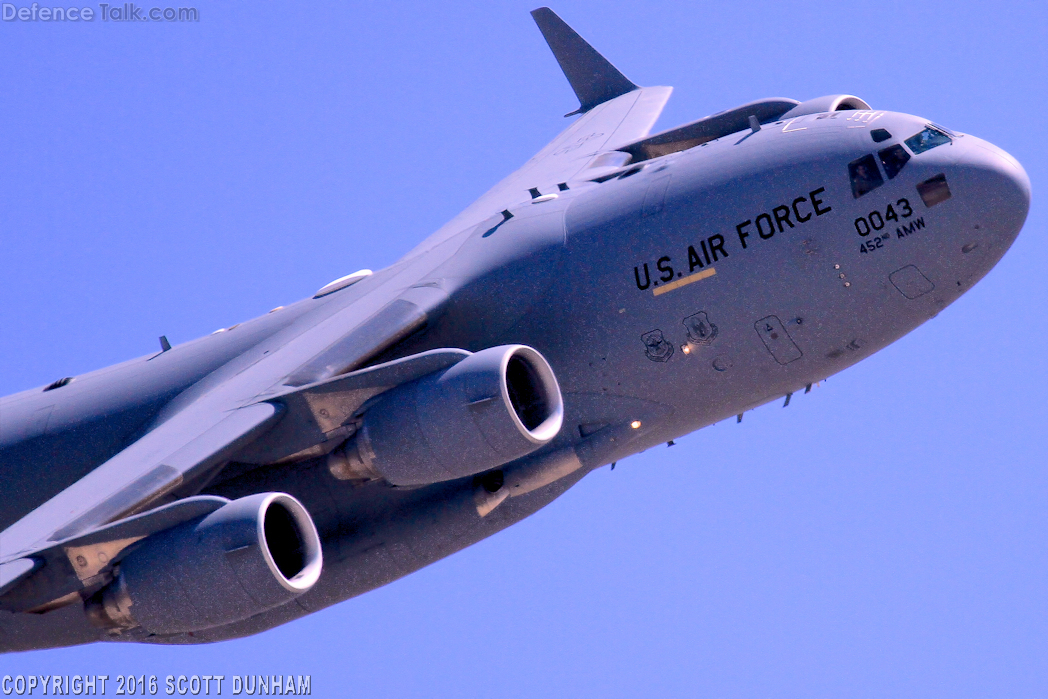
700 330
656 346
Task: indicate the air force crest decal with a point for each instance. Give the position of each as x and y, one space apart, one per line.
656 346
700 330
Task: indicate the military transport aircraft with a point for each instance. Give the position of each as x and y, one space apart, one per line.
619 290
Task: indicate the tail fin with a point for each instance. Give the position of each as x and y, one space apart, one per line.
592 77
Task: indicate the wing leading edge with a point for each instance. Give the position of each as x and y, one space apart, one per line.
158 463
614 112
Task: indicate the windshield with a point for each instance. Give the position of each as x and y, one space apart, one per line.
927 139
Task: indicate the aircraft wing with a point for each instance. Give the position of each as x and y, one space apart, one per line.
184 449
614 111
166 457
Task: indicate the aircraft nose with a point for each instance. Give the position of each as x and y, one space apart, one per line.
1001 186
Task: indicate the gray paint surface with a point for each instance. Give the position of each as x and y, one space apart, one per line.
563 276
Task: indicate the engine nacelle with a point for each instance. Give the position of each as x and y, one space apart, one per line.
829 103
491 408
248 556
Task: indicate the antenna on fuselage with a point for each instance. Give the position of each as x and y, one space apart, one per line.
591 76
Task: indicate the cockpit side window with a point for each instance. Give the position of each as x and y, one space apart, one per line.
927 139
893 158
865 177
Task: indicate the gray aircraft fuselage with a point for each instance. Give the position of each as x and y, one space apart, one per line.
681 291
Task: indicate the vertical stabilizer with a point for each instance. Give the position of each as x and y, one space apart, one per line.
592 77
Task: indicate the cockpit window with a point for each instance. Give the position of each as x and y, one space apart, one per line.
927 139
865 177
893 158
879 135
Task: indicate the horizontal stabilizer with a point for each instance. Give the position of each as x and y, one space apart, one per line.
593 78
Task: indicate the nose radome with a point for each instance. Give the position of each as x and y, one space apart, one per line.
1003 187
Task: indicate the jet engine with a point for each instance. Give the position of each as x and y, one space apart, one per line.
491 408
248 556
829 103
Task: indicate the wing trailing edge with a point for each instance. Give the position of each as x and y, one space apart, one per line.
593 78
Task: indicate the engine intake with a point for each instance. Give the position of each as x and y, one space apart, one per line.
491 408
248 556
829 103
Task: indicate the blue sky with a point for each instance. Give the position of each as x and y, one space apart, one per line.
885 535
